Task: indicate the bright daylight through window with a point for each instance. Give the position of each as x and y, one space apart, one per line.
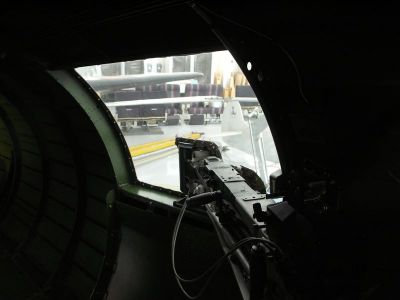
203 96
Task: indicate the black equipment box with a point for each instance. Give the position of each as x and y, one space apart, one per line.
173 120
196 120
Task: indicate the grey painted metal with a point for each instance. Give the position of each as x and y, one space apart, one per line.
104 123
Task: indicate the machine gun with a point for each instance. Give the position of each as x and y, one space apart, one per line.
264 270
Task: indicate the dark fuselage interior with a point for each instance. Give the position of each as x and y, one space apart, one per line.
327 79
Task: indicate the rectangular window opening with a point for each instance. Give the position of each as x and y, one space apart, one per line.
202 96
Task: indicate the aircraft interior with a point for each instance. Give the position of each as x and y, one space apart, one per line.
76 221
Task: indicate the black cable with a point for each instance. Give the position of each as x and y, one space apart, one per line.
216 265
394 177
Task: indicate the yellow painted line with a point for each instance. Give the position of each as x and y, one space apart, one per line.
157 145
146 160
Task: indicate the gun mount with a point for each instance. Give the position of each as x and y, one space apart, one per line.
243 212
